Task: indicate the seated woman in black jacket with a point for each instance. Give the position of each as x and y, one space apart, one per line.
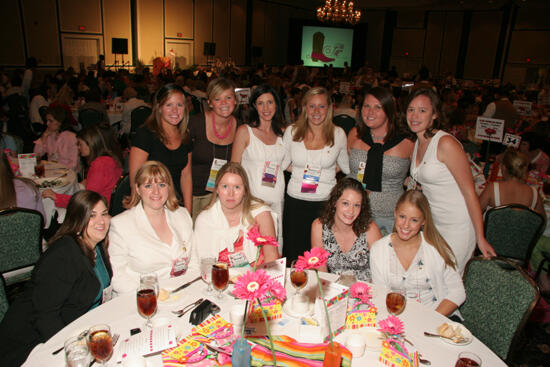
68 280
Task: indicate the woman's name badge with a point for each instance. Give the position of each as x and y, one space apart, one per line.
107 294
269 176
312 174
361 172
216 165
179 266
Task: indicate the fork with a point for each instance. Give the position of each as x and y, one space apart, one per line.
188 308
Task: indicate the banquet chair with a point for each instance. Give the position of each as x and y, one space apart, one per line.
137 118
88 117
500 297
4 305
121 190
513 230
21 244
346 122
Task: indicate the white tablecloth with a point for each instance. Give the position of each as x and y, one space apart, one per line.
121 314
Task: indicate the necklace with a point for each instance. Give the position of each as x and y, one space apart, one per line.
381 137
221 137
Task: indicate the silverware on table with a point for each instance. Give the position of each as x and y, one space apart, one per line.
188 308
185 285
216 349
420 359
81 335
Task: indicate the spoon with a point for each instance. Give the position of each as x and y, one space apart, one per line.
455 339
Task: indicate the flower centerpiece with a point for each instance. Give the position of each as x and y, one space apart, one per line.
258 286
394 352
313 260
361 309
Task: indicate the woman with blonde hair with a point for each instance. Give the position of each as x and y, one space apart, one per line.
164 138
212 134
417 259
221 228
154 234
512 189
316 149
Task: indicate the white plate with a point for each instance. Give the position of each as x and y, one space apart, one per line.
290 312
373 338
465 333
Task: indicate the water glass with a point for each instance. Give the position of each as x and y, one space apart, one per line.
77 353
206 271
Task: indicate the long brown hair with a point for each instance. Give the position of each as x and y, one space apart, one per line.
440 123
301 125
249 201
152 171
431 234
76 221
154 121
101 142
364 219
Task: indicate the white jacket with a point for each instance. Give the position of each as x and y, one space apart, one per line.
135 248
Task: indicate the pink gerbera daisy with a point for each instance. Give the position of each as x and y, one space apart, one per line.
259 240
252 285
391 326
277 290
361 291
313 259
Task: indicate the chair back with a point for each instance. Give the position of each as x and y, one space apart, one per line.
500 296
513 230
346 122
121 190
138 117
88 117
21 244
4 304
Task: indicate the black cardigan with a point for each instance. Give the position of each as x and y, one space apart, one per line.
62 288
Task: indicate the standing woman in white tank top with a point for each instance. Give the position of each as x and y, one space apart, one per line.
258 147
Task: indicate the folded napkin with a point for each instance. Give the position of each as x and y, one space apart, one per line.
290 353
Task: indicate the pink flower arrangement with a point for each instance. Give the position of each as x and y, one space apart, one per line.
361 291
252 285
392 326
313 259
259 240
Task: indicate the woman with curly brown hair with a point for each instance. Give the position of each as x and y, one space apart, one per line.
346 230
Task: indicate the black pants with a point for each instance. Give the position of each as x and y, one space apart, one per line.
297 218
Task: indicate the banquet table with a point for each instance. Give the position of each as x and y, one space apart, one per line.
121 314
60 179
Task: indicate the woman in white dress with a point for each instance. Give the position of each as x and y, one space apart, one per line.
258 147
441 167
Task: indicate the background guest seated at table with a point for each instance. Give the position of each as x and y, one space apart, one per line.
164 138
221 229
93 102
512 189
346 230
416 258
104 164
532 144
154 235
58 141
67 281
17 191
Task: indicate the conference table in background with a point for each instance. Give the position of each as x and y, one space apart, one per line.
60 179
121 314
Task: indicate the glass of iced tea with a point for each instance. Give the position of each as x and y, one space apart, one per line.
147 293
100 343
468 359
298 279
220 277
396 301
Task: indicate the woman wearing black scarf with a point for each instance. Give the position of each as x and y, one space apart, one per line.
380 153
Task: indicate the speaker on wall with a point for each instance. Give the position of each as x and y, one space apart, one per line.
209 49
120 46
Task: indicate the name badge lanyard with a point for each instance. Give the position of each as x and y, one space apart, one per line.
312 174
217 164
271 169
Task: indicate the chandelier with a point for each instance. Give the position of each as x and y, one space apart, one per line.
338 11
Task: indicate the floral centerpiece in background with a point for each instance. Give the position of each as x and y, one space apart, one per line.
361 309
394 352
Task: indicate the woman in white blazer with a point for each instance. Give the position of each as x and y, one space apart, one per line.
153 235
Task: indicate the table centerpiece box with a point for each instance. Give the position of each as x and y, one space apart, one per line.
361 310
336 298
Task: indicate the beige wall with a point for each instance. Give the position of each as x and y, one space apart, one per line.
178 19
117 24
42 36
77 14
150 30
11 34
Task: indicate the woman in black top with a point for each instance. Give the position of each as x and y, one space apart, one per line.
212 134
164 138
67 281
